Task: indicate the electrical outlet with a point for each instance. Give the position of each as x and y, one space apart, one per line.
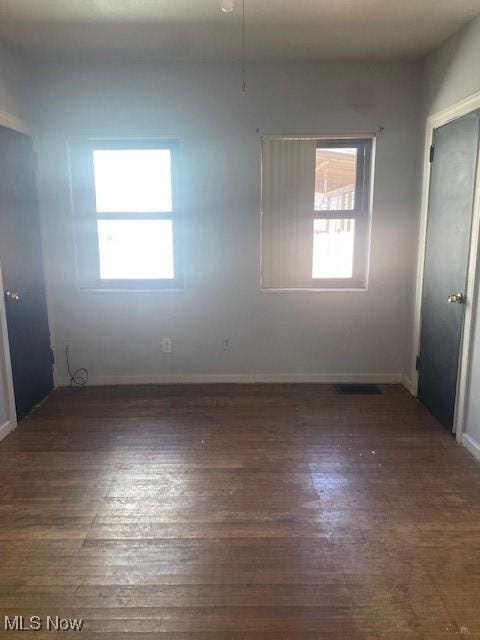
226 344
67 344
167 345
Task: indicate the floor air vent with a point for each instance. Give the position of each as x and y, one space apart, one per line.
358 389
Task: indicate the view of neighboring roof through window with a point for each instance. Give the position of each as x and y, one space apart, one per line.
335 177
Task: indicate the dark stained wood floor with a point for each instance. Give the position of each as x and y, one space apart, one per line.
240 512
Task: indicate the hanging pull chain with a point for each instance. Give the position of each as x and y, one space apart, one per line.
244 74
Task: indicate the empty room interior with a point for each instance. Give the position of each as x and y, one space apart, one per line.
239 319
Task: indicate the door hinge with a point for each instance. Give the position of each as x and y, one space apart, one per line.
417 363
432 152
52 355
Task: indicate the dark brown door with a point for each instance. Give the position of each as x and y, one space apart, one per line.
22 272
452 188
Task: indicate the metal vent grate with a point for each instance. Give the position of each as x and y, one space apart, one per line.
358 389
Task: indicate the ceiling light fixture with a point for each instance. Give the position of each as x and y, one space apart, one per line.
227 6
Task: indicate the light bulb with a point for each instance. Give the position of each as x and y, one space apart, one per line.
227 5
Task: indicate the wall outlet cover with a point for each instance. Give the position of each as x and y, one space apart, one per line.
167 345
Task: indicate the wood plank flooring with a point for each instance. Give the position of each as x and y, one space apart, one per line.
239 512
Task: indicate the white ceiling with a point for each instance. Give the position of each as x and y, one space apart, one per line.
188 29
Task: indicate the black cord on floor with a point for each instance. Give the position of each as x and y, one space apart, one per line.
79 377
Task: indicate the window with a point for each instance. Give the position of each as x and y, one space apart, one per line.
315 212
125 218
333 244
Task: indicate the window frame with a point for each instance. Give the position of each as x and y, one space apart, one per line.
86 215
360 213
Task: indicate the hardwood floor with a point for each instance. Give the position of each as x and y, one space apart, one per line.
240 512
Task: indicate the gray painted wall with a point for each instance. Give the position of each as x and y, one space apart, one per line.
15 85
117 336
452 73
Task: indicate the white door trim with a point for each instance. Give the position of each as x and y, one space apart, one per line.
9 121
6 368
457 110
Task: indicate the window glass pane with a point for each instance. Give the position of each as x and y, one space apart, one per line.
135 249
333 242
132 180
335 177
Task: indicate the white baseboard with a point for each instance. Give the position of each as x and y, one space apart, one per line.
240 378
5 428
471 445
408 384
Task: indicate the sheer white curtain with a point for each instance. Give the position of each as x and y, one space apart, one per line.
288 188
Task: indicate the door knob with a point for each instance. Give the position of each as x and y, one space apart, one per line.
11 296
457 297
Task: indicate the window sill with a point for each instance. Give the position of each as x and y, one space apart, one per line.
316 290
132 286
319 285
120 290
